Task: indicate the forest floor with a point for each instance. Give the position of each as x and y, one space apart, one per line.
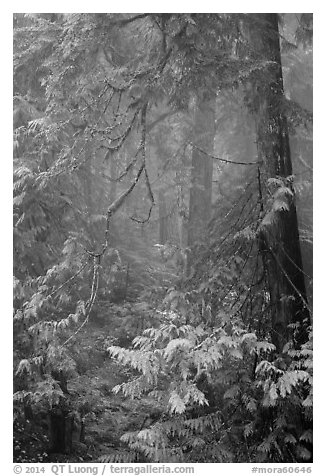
106 415
110 414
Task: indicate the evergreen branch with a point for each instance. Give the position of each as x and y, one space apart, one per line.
67 281
240 274
236 203
95 100
124 134
224 240
211 336
290 281
91 301
252 284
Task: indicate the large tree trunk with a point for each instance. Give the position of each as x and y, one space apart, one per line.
201 172
280 237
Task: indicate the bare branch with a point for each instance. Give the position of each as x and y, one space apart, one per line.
145 219
224 160
126 21
143 147
290 281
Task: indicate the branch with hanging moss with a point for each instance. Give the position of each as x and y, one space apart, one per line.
127 169
120 138
112 209
143 149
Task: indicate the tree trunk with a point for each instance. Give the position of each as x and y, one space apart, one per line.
163 218
281 248
201 172
61 429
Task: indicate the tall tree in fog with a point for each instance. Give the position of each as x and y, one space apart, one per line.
200 199
279 235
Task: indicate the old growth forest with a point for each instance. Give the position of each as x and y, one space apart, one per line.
162 237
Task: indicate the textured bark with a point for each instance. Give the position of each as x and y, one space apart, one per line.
281 248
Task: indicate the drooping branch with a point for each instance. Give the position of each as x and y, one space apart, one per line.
67 281
113 208
119 139
303 299
127 169
89 306
97 98
149 189
143 148
223 160
145 220
151 197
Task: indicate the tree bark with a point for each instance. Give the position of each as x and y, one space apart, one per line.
201 172
281 248
163 218
61 428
